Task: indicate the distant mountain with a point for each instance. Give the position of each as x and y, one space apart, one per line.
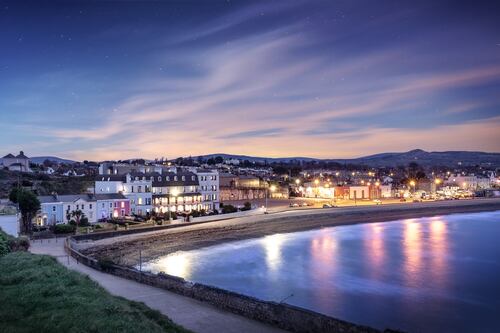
259 159
40 159
424 158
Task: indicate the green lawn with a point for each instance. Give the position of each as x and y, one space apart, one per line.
37 294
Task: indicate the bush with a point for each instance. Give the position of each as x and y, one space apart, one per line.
84 222
10 244
229 209
246 206
64 228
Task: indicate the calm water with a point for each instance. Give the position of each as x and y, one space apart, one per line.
439 274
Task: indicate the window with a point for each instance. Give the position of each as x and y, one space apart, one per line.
139 189
53 208
83 206
69 207
123 204
192 177
168 178
183 178
132 189
90 206
175 178
159 179
139 201
102 205
116 204
110 205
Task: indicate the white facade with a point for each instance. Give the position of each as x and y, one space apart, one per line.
136 188
209 188
469 182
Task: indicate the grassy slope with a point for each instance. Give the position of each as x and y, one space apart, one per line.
39 294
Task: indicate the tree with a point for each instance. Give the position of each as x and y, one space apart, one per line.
14 194
78 215
219 160
28 205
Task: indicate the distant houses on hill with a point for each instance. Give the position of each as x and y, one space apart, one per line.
20 162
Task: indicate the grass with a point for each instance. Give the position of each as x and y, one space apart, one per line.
38 294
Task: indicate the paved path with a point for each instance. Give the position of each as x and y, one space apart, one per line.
191 314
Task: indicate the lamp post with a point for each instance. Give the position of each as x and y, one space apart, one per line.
272 188
175 192
412 184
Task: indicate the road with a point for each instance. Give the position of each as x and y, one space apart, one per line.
187 312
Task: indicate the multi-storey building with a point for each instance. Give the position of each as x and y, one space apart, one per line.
209 188
135 186
176 192
167 188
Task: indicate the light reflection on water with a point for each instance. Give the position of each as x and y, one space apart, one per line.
436 274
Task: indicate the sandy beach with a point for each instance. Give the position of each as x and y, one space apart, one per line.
125 249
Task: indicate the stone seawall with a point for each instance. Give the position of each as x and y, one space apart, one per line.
281 315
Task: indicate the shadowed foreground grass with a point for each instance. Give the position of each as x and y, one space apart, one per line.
37 294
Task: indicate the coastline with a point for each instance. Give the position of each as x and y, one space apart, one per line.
123 250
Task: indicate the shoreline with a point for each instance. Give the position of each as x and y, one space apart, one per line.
123 250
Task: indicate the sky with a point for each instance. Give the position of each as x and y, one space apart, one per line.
327 79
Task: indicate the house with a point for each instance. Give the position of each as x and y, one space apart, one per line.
16 163
57 209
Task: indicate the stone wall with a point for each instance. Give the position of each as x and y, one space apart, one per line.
282 315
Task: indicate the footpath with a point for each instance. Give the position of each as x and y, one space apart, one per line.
187 312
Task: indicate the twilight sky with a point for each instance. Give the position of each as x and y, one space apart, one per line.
113 80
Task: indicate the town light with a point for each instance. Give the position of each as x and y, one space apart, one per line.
464 184
316 181
377 183
437 181
272 188
297 181
412 183
175 192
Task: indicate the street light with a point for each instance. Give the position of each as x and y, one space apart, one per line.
272 188
316 181
297 181
175 193
412 184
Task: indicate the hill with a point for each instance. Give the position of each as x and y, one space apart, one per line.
40 159
422 157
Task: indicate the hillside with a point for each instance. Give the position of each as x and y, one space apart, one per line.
446 158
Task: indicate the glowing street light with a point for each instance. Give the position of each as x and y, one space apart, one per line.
272 188
437 181
413 184
316 181
297 181
175 193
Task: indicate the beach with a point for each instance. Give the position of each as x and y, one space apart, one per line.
130 249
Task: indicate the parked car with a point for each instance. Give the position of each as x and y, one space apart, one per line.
327 206
294 204
377 202
305 204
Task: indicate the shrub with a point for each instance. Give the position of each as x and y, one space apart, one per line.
64 228
84 222
229 209
246 206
